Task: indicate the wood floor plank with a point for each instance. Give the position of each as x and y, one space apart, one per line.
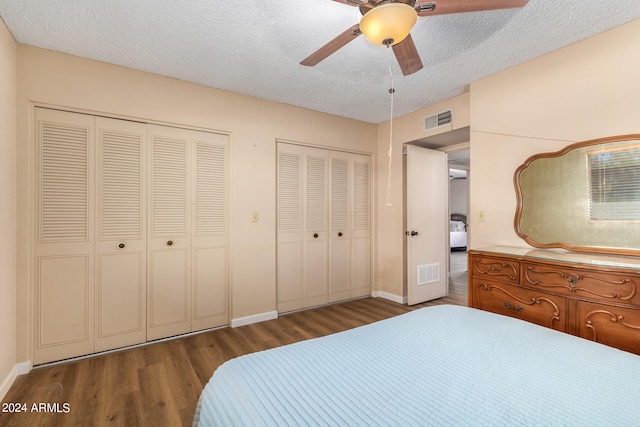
159 384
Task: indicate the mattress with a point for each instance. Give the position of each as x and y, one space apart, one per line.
441 366
458 239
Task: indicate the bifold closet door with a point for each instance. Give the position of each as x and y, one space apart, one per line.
210 233
120 310
64 238
302 263
90 251
324 226
350 228
361 227
169 276
188 231
131 233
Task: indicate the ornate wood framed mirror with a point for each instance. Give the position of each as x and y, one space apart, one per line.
585 197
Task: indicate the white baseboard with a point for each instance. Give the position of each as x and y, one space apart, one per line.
256 318
24 367
19 369
7 382
391 297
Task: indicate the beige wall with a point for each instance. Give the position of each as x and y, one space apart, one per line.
390 217
585 91
7 208
52 78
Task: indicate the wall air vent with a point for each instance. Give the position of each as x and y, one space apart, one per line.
437 120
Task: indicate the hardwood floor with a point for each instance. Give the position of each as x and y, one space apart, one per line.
159 384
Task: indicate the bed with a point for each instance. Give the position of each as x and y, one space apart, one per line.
458 232
442 365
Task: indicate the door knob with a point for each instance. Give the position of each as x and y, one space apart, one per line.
411 233
169 242
340 234
315 235
121 245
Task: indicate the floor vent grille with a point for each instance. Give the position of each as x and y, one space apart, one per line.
428 273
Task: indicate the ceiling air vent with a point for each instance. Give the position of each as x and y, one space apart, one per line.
437 120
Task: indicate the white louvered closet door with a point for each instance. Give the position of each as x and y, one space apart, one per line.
188 238
289 267
210 237
131 233
350 230
302 265
64 264
361 228
340 231
324 226
315 233
121 235
169 272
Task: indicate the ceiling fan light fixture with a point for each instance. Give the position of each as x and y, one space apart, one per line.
388 24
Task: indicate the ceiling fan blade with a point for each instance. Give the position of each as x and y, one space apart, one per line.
407 56
353 2
444 7
332 46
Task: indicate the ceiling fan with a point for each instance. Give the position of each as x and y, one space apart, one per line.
389 22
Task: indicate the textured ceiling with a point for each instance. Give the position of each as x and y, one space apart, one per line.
255 47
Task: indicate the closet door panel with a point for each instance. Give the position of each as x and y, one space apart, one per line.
121 300
339 283
289 268
361 256
361 231
210 276
64 283
289 275
315 236
340 233
121 244
64 327
316 270
168 243
210 256
169 293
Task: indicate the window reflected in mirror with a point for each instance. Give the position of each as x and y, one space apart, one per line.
614 183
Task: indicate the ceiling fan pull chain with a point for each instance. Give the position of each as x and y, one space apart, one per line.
390 152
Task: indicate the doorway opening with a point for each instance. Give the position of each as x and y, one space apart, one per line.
459 177
455 210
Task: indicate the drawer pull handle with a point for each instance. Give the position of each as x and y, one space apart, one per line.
492 268
512 308
572 281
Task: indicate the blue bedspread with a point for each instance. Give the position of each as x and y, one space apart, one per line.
441 366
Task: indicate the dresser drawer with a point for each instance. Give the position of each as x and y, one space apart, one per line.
533 306
497 269
614 326
593 284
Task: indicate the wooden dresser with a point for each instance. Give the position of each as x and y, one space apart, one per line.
592 296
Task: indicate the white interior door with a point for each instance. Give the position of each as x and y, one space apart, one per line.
427 230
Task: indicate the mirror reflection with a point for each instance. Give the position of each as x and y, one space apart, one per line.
585 197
